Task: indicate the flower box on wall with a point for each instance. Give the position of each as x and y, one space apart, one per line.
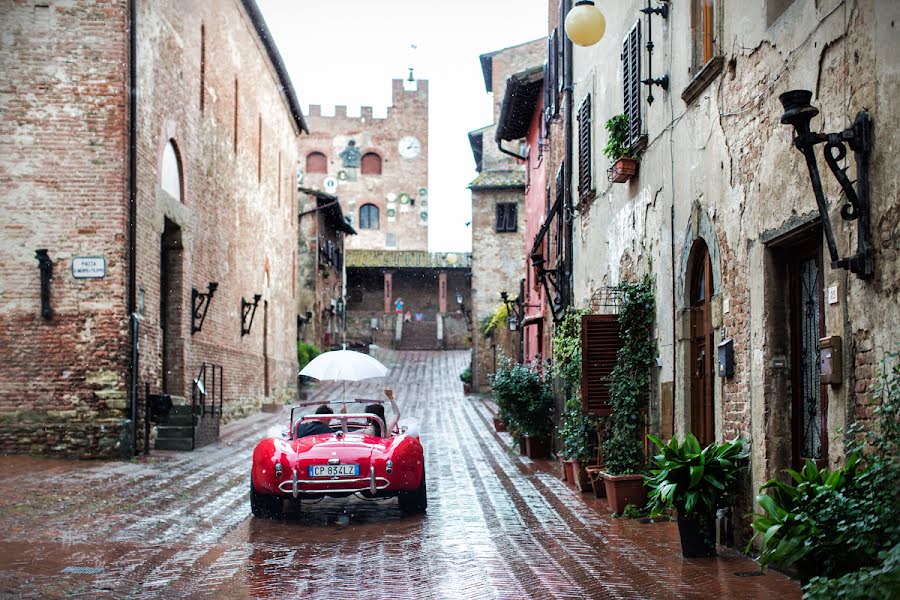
623 169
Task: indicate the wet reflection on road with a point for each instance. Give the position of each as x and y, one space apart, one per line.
498 525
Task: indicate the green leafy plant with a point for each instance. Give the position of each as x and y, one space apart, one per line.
876 583
577 432
833 523
524 397
629 382
466 376
632 511
305 353
617 143
567 348
692 479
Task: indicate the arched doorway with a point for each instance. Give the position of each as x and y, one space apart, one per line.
702 424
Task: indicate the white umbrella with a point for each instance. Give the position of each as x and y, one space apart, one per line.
344 365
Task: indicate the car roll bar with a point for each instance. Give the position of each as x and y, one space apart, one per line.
342 418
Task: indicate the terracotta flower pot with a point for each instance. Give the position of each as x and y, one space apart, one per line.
467 388
595 474
622 490
499 425
623 169
537 447
582 481
566 469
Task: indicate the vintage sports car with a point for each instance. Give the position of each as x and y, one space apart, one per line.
337 464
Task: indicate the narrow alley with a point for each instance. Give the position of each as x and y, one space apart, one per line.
498 525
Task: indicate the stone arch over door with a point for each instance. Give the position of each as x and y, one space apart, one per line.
699 238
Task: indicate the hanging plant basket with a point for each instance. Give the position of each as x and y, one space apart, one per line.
623 169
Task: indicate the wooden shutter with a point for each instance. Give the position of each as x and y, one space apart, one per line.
585 183
511 223
600 342
501 218
631 63
553 62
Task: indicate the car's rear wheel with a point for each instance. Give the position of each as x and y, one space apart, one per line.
415 501
265 506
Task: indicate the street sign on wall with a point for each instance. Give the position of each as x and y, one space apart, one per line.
88 267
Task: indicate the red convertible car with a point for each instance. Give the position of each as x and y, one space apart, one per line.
339 463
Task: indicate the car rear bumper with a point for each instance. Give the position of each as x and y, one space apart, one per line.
297 487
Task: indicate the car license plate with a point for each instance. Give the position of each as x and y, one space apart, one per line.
333 470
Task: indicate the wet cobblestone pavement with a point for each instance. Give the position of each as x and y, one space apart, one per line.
498 525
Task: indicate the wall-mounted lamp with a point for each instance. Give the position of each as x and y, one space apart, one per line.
200 304
248 309
585 24
514 310
46 267
798 112
459 298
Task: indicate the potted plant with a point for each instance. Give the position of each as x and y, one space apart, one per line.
617 150
576 435
629 387
523 395
466 378
695 482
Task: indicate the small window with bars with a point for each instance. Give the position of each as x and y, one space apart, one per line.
506 216
585 156
631 79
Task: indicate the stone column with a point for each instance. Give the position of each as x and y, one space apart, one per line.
442 292
388 291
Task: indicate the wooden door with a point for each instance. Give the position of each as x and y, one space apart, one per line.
702 347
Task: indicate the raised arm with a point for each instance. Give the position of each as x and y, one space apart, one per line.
395 418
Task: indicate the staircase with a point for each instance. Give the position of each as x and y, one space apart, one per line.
190 426
419 335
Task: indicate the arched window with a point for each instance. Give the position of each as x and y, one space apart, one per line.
371 164
316 163
170 177
368 216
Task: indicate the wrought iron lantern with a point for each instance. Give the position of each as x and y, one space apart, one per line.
514 310
248 309
798 112
200 304
46 267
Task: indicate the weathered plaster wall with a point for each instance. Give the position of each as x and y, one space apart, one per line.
722 168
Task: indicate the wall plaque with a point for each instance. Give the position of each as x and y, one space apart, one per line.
88 267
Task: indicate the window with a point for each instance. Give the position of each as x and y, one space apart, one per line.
368 216
170 177
585 162
316 163
631 63
371 164
703 21
506 216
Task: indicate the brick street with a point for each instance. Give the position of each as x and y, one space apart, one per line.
498 525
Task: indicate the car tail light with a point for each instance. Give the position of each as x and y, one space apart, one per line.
390 466
277 469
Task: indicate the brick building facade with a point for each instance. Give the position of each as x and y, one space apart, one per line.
214 126
378 167
498 214
321 292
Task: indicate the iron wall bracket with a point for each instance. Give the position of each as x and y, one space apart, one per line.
46 268
248 309
856 207
200 304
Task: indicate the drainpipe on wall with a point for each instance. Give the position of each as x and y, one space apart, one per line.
132 219
567 215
